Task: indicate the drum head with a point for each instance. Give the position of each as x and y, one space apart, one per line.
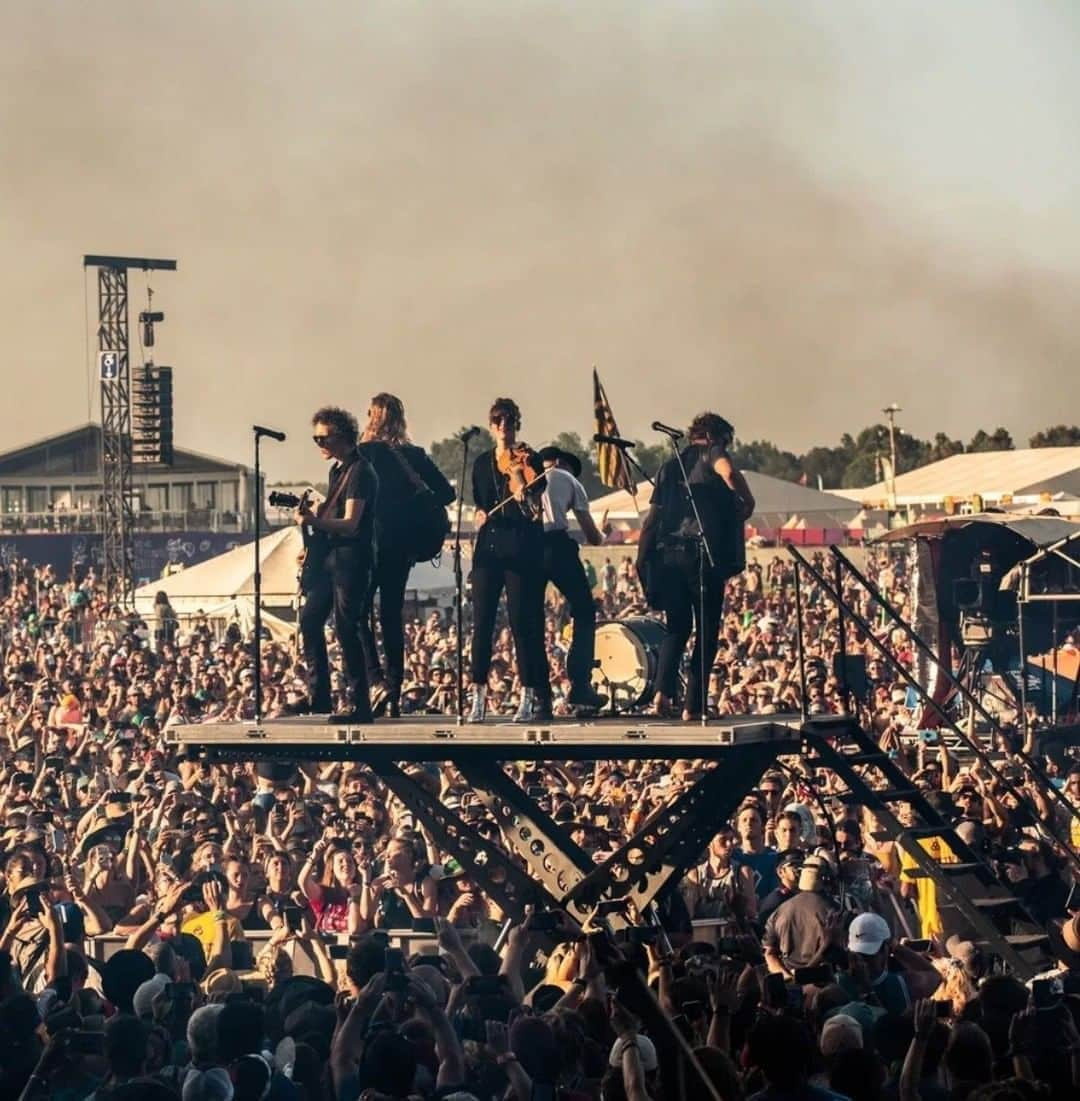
628 652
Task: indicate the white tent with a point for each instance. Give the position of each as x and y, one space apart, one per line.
225 585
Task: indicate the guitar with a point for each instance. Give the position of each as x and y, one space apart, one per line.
316 543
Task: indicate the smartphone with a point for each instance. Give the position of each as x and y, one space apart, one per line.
86 1043
55 763
118 797
918 945
33 903
534 791
775 992
338 951
821 975
1045 994
612 906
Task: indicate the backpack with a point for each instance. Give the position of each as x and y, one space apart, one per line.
424 524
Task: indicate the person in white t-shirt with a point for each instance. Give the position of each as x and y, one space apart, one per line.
563 495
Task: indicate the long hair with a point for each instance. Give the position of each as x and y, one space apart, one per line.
386 421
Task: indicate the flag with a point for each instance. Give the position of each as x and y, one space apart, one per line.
611 463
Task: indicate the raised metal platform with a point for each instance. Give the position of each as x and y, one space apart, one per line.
439 738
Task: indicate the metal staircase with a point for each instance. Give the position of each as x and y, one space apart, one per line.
971 886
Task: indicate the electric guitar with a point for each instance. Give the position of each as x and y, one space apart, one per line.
316 543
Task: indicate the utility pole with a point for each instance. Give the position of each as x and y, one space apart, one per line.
890 411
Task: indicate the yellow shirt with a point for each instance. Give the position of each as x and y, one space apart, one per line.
202 927
926 889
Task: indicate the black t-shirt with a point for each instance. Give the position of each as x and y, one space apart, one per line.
397 489
717 503
361 483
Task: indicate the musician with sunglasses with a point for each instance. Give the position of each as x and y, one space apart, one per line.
346 522
508 554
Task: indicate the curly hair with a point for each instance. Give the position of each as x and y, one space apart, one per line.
340 420
711 426
505 407
386 421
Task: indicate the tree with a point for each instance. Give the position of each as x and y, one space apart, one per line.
1060 435
828 464
998 440
766 458
943 447
446 455
590 479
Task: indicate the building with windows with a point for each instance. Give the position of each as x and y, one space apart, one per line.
54 485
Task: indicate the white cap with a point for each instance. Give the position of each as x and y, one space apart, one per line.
646 1052
841 1033
867 933
143 1001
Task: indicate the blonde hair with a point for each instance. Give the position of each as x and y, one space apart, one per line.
386 421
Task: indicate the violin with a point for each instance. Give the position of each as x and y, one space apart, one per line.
516 465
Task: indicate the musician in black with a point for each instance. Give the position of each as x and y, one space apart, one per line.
668 554
404 470
508 554
347 520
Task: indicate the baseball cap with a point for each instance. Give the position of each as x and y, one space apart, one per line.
867 933
841 1033
646 1052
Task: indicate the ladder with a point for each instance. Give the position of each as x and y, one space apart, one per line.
971 886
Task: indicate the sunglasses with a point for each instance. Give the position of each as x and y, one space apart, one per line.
320 441
502 418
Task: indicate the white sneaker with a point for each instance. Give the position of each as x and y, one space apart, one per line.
526 712
479 704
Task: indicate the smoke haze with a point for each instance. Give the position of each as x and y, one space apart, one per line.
792 212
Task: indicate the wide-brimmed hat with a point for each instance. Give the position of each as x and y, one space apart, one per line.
553 454
110 828
1064 940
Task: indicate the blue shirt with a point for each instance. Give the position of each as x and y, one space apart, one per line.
763 865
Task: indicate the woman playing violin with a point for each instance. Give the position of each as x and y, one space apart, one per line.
508 554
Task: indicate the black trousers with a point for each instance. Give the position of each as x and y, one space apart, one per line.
342 586
682 610
563 568
523 580
389 580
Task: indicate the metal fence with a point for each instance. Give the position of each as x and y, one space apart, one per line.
88 522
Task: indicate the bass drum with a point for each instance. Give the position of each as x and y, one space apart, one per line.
628 658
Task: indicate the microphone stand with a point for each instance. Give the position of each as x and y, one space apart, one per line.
704 552
259 433
459 583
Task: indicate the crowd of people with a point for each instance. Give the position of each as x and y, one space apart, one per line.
252 909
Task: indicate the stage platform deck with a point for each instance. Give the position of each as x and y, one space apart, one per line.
440 738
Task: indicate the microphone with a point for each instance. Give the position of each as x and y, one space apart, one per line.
674 433
468 433
615 441
271 432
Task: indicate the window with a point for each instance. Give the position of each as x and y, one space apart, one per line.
156 498
182 496
12 499
37 499
228 497
206 495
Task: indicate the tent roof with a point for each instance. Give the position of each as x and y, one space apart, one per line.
773 496
233 573
988 473
1039 531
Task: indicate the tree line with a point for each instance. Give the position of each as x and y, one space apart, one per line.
856 461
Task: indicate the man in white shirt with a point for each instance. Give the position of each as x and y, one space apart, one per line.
564 494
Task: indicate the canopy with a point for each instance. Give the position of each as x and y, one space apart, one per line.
225 579
1039 531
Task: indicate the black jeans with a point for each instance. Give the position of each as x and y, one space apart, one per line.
389 580
682 610
342 586
563 568
524 585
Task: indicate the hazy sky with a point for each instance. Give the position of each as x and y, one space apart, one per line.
791 212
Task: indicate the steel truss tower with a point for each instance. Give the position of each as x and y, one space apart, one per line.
114 372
